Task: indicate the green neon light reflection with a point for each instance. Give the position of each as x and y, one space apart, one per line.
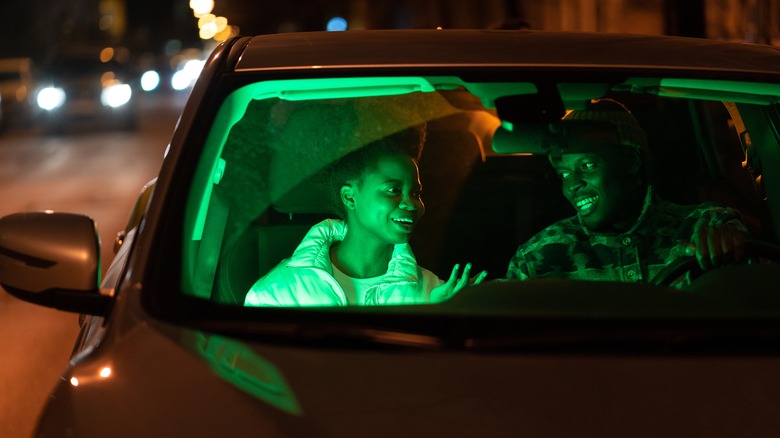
345 88
760 93
756 88
234 107
238 365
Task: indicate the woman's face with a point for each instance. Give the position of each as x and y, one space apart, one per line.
387 204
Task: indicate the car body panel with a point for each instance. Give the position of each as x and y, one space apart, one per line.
160 373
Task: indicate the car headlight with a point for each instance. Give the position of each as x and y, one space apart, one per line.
50 98
116 95
150 80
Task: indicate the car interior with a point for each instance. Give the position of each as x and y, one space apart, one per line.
253 200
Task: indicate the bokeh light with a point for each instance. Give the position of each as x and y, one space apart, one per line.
50 98
336 24
106 54
201 7
150 80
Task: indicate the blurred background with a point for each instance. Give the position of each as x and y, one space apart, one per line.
160 44
126 67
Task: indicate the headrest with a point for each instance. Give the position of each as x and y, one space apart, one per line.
311 195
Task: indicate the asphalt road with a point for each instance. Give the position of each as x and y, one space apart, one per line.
91 170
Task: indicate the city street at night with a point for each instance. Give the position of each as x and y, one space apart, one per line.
97 172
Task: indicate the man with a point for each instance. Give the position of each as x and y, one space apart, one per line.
622 230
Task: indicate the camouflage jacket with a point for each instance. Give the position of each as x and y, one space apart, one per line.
568 250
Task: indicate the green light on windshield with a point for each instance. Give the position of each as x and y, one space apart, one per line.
339 88
759 88
707 89
235 106
219 171
233 109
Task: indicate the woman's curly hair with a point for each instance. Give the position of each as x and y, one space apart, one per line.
356 165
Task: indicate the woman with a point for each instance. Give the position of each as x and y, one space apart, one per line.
365 258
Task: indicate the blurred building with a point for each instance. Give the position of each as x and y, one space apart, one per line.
743 20
37 28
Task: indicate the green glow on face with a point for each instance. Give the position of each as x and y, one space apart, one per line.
390 187
238 365
235 106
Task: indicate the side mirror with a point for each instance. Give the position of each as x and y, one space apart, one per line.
52 259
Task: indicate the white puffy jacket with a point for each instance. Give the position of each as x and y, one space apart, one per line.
306 278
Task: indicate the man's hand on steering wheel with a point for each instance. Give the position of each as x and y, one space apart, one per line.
716 246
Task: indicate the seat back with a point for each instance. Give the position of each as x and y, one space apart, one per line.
448 159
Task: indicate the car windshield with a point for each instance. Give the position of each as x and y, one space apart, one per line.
510 175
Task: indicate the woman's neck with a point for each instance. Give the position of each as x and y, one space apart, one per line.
358 258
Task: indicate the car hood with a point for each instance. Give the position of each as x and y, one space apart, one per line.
166 380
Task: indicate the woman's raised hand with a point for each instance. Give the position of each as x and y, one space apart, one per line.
456 283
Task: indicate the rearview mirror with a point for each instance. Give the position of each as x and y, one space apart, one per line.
565 136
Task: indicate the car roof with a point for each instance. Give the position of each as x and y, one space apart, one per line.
403 48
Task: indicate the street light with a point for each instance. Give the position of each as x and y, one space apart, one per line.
201 7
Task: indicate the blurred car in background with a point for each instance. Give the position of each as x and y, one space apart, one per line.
167 347
17 87
83 90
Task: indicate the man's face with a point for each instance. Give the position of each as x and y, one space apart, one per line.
602 188
387 203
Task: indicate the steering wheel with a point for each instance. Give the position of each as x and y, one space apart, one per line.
753 249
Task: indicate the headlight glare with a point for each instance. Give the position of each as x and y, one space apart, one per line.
50 98
116 95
